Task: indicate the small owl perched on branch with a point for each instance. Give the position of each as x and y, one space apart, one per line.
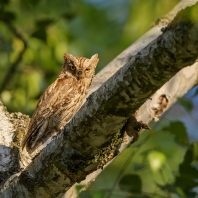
61 100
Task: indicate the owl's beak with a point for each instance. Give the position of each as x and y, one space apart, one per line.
80 75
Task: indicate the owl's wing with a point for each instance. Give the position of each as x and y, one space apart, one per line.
48 104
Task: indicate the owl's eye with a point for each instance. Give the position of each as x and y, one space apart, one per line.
87 70
72 67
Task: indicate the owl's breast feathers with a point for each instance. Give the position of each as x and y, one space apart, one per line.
57 97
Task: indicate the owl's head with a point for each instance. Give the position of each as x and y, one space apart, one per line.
80 67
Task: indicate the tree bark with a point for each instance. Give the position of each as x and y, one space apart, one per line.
94 135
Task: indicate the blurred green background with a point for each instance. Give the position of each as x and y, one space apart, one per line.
34 35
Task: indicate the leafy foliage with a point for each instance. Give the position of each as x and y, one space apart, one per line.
163 164
188 175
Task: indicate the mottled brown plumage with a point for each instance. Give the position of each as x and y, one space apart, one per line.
61 100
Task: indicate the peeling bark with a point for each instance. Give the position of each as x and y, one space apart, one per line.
71 156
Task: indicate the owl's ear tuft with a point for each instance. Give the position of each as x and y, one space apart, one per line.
67 56
94 59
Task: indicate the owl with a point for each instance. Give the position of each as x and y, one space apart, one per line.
61 100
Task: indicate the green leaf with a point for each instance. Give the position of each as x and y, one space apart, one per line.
173 188
178 129
167 187
186 166
139 196
156 160
186 183
92 194
40 34
186 103
85 194
69 15
187 180
138 166
131 183
195 150
9 16
29 3
188 157
189 173
44 23
4 2
79 188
